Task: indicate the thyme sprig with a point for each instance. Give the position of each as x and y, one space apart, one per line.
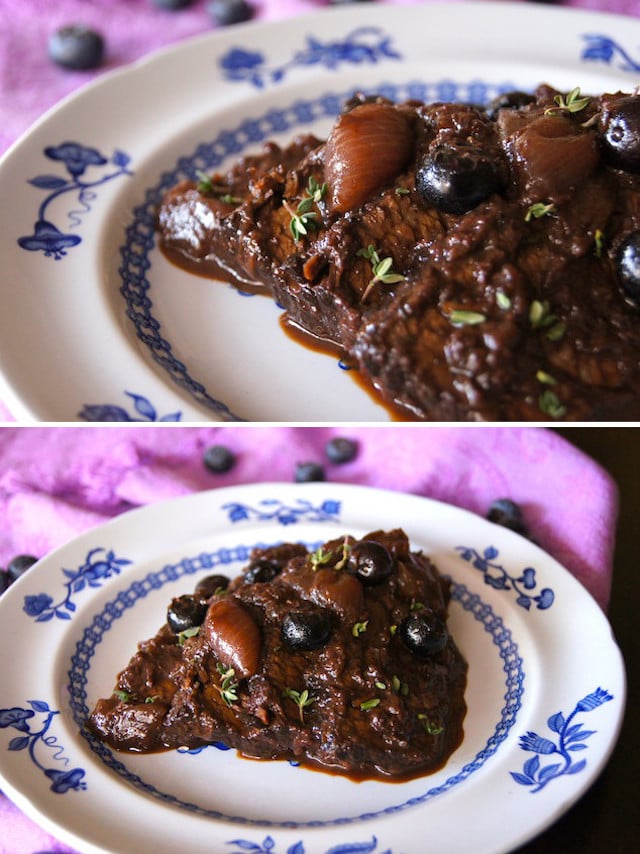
571 102
208 188
303 218
381 268
302 699
539 209
228 689
430 727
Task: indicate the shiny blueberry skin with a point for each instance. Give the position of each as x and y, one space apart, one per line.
514 100
308 472
19 565
219 459
341 450
370 562
454 179
77 48
628 266
206 587
261 570
186 612
424 634
507 513
621 135
306 630
227 12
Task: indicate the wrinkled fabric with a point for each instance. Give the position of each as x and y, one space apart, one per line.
57 482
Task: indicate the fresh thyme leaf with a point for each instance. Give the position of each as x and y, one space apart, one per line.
460 317
402 191
545 378
208 188
346 550
228 199
228 686
359 628
303 218
540 315
302 699
550 404
399 687
415 605
557 331
381 269
366 705
431 728
571 102
381 685
316 191
188 633
320 557
503 300
538 210
123 696
152 699
205 184
599 243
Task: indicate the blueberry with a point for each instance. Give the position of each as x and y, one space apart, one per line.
186 612
514 100
206 587
261 570
308 472
456 178
227 12
341 450
423 634
19 565
219 459
370 562
76 47
306 630
507 513
628 267
5 581
620 130
172 5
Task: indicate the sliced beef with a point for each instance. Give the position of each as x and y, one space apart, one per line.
497 237
311 664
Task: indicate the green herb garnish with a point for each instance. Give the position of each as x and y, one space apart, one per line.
538 210
346 551
303 218
320 557
459 317
302 699
208 188
402 191
430 727
123 696
545 378
359 628
228 685
503 301
188 633
399 687
366 705
550 404
381 268
571 102
540 315
599 242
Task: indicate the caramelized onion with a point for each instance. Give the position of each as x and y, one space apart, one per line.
233 636
368 147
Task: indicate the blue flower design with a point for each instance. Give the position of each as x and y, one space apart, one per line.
268 846
571 738
601 48
75 157
34 742
363 45
496 576
273 509
47 237
111 412
99 565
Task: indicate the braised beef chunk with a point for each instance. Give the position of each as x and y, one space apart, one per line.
473 263
339 659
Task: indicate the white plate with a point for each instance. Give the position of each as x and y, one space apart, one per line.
546 687
96 325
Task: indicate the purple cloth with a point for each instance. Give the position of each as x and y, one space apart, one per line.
59 481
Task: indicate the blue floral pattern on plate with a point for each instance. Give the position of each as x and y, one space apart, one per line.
268 846
601 48
77 159
272 509
571 738
496 576
366 45
111 412
98 566
36 742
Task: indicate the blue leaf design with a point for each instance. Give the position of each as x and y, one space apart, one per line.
520 778
245 845
490 552
143 406
296 848
556 722
39 706
531 767
577 767
19 743
48 182
355 847
548 772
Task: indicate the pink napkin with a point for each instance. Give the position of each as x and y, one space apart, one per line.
59 481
